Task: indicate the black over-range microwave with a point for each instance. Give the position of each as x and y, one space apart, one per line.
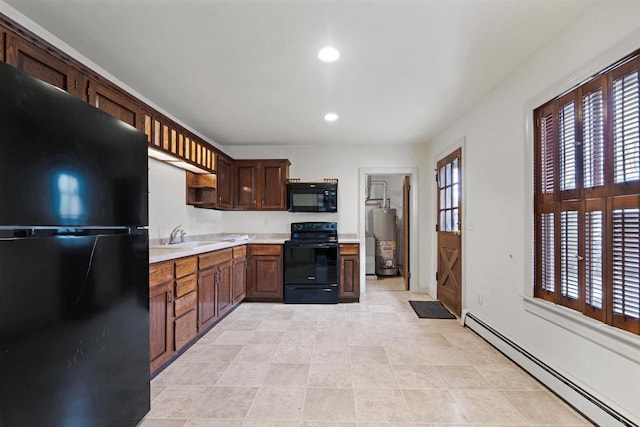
312 197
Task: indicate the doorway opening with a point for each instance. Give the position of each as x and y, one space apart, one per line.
387 229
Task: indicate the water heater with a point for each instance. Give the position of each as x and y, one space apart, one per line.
384 230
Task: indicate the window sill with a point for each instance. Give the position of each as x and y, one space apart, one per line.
621 342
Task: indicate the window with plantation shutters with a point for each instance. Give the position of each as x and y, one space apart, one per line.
587 197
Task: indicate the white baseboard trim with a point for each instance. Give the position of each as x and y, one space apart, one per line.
582 400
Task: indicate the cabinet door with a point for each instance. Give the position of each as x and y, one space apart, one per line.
225 299
273 176
265 273
239 280
3 43
207 313
161 324
42 65
115 104
246 195
349 284
224 174
186 329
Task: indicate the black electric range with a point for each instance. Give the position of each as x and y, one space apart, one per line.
311 263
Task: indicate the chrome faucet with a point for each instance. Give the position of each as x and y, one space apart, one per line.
178 231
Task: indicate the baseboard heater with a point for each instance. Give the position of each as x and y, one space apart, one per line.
586 403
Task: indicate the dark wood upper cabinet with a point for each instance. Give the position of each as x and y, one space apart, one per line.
3 43
224 174
274 174
116 104
38 63
246 173
260 184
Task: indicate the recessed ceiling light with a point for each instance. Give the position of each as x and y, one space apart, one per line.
328 54
331 117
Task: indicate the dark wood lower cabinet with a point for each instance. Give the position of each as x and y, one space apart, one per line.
214 286
160 313
207 308
239 279
264 278
189 295
225 298
349 280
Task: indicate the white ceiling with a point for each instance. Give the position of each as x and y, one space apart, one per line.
246 72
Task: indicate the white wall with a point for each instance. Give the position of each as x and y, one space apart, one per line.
498 207
167 207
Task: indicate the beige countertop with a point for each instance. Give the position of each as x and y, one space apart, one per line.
195 245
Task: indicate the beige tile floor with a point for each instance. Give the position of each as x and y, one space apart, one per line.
368 364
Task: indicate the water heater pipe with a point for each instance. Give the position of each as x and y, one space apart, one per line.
385 203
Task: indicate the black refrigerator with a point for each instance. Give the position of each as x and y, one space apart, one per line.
74 306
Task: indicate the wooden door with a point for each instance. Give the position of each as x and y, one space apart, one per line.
239 279
224 171
3 38
349 281
273 176
207 312
225 298
115 104
161 324
246 185
265 281
406 272
40 64
449 230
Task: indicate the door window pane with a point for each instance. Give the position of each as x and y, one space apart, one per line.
455 171
454 193
456 220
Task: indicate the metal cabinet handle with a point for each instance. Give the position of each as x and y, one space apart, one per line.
170 296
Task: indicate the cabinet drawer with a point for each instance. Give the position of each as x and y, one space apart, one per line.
185 304
240 252
186 285
349 249
213 258
265 249
186 266
160 272
186 329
